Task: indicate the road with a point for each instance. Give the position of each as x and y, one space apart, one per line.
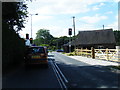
82 75
31 77
75 74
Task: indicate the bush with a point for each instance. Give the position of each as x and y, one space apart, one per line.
71 54
13 48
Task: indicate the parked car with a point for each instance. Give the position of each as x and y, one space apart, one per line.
36 55
60 50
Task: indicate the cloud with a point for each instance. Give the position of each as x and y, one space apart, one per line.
93 19
114 25
109 12
38 18
62 7
97 7
55 7
46 7
54 15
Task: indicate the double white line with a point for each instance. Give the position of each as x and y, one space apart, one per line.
60 77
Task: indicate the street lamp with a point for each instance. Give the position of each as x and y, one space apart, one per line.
31 22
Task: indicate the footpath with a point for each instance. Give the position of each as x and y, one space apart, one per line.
97 62
94 61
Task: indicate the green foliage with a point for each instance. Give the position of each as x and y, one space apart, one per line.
61 41
45 38
117 37
14 14
70 54
13 48
44 45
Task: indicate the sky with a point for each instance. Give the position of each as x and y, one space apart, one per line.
56 16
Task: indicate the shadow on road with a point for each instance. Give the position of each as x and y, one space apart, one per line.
89 76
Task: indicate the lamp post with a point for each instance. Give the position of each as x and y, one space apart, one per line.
31 22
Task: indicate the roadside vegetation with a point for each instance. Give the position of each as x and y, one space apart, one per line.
13 47
44 38
117 37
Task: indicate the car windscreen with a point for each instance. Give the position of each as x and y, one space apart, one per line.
36 50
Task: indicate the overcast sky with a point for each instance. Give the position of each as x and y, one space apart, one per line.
56 16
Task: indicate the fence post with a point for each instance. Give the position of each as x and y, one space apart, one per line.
81 52
118 52
107 55
86 52
93 53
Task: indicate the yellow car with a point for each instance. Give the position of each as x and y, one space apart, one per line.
36 55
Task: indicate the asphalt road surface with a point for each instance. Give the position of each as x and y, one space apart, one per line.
82 75
78 75
31 77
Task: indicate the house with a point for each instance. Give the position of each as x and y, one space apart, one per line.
95 38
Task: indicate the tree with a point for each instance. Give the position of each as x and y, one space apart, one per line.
14 14
61 41
43 37
117 37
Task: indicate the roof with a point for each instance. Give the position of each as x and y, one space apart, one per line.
105 36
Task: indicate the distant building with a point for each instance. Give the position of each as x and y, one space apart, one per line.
96 38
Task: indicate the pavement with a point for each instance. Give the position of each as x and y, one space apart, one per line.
98 62
95 61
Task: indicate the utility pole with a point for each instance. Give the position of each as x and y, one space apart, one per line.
74 25
74 30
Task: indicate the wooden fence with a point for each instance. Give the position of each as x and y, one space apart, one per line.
106 54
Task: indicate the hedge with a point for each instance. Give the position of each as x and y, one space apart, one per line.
13 48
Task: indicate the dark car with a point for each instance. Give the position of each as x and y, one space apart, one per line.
36 55
59 50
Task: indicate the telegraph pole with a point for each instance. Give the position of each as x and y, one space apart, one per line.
74 30
74 24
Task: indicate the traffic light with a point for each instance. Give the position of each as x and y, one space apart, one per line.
27 36
31 40
70 31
